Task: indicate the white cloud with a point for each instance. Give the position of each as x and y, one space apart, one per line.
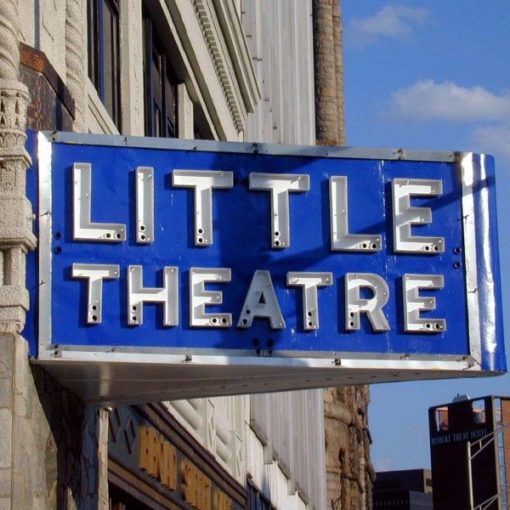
384 464
486 114
391 21
428 100
494 139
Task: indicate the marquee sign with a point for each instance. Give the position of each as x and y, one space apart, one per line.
247 267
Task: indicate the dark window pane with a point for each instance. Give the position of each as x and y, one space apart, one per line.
109 58
160 86
103 46
92 40
257 500
170 104
121 500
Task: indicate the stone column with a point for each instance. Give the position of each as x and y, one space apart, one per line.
329 111
75 63
348 469
339 70
16 238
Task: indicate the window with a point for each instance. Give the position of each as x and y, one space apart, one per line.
121 500
160 86
442 421
257 500
201 128
103 48
479 415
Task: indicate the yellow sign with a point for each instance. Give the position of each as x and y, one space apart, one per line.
158 458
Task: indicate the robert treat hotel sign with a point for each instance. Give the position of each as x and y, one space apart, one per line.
170 268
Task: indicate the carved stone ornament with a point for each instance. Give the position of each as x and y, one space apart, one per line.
15 209
16 237
14 100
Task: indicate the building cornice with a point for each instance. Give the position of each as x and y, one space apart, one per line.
238 50
229 56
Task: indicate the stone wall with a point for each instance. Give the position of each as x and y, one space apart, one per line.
350 475
49 439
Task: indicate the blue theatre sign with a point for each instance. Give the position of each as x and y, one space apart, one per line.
170 269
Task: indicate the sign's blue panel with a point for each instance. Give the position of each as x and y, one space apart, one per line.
390 201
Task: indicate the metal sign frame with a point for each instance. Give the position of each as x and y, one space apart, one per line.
91 371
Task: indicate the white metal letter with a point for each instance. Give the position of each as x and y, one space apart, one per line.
405 215
414 303
138 295
341 239
203 181
95 274
373 306
279 185
83 227
145 205
309 283
260 301
199 298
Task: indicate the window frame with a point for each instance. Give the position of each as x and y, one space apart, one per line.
104 62
165 123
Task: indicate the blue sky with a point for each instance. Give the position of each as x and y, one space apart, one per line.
429 75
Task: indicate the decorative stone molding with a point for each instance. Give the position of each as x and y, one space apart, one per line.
237 467
13 111
75 66
229 19
16 210
16 237
211 36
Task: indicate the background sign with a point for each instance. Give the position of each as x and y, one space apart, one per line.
323 264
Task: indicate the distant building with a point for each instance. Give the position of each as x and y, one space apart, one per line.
409 489
471 436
